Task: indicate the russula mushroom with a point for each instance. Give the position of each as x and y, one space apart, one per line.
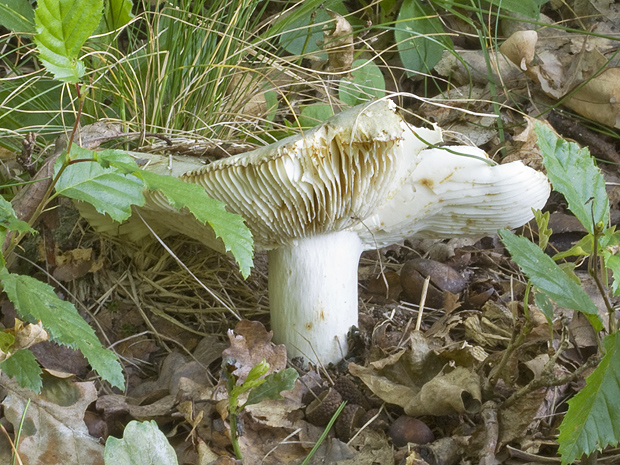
361 180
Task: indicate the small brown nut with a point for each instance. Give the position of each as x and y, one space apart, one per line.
321 410
349 421
443 278
407 429
350 392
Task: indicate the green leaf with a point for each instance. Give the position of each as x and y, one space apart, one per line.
572 172
17 15
304 32
528 8
314 114
228 226
62 28
24 368
583 248
8 218
142 444
257 371
35 300
612 261
366 83
274 384
108 190
419 37
545 306
6 341
549 278
544 233
116 14
592 421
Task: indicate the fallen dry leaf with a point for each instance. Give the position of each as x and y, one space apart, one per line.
54 431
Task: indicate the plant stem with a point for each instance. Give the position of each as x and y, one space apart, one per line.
234 438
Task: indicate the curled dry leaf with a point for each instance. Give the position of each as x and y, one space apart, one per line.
338 43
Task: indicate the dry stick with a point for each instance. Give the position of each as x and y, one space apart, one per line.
515 341
418 322
491 425
548 381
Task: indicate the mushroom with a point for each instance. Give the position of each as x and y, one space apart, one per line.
361 180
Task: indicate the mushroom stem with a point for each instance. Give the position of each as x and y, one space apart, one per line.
313 295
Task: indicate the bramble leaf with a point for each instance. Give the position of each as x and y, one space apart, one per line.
62 28
107 189
228 226
23 366
35 300
593 418
572 172
549 278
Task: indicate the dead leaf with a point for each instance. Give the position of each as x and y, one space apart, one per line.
451 391
338 43
54 431
599 98
250 344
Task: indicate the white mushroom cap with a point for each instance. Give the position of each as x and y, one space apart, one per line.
446 195
325 180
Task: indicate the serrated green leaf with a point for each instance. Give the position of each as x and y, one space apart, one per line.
17 15
228 226
549 278
366 83
275 383
116 14
572 172
35 300
62 28
592 421
108 190
420 37
117 159
24 368
142 444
